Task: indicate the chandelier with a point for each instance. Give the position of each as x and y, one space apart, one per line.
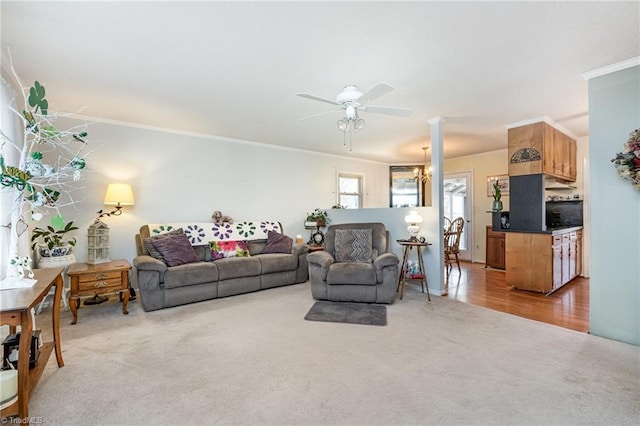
350 123
425 173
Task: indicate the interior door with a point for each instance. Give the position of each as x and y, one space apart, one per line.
458 202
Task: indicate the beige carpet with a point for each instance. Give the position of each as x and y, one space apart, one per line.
253 359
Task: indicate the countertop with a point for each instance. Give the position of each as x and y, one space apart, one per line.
549 232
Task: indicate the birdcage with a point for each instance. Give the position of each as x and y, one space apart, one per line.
98 243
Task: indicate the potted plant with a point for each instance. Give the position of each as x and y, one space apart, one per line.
53 242
496 206
318 217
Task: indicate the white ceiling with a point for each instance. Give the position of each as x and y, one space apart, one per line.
233 68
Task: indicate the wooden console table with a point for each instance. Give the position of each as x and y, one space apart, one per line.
102 278
15 310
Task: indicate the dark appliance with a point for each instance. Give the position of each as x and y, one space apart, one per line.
526 198
564 214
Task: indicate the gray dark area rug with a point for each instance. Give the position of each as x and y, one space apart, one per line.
351 313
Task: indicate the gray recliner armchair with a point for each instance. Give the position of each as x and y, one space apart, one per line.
356 265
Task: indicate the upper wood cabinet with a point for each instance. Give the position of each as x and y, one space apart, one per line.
540 148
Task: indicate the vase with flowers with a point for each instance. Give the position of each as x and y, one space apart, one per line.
496 206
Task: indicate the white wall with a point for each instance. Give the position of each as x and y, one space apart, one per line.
482 166
178 177
614 111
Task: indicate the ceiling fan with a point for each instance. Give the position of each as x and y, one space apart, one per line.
351 100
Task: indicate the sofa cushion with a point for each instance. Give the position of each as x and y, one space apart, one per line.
353 245
278 243
175 250
191 274
203 252
351 273
257 246
148 244
237 267
222 249
277 262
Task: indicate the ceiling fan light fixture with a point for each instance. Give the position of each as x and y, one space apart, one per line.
351 112
350 100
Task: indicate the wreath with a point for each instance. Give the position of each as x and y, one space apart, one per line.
627 163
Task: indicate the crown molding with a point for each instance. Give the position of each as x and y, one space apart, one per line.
618 66
206 136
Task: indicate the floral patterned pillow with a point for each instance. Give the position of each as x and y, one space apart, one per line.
221 249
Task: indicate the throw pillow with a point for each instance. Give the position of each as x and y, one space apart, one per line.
221 249
175 250
353 245
149 245
277 243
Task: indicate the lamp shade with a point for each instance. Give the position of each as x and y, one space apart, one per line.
413 217
119 194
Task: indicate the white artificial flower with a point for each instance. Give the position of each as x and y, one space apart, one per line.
34 168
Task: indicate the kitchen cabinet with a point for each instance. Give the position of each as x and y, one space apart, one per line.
578 251
539 148
495 254
543 262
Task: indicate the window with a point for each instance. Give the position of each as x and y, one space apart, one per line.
350 190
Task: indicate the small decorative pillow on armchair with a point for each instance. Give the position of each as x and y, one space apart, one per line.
354 245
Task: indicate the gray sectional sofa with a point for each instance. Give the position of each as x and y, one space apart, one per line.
162 286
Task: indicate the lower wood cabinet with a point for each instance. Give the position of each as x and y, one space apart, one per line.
543 262
495 254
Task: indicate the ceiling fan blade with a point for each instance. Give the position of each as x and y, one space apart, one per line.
375 92
317 98
319 114
402 112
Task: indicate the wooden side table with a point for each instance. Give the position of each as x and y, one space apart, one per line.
408 245
102 278
15 310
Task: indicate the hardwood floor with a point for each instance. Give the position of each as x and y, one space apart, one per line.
568 307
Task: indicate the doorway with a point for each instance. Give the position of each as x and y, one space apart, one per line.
458 202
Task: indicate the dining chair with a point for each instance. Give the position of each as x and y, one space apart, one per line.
447 223
452 244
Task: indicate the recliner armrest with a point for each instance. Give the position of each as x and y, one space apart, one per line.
320 258
319 263
386 259
383 261
148 263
